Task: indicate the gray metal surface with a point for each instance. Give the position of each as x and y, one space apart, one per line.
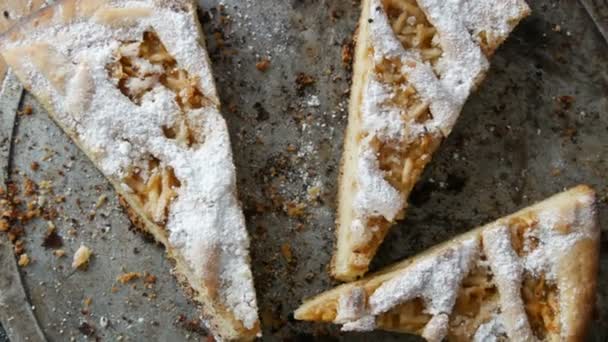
15 311
598 10
538 124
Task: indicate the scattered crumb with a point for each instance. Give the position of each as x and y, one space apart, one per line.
81 257
291 148
59 253
303 80
347 54
263 64
104 322
192 325
101 201
149 279
86 329
314 192
19 247
3 225
27 110
128 277
295 209
34 166
24 260
29 187
51 238
286 251
566 101
87 301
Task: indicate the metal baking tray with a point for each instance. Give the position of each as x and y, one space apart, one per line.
538 124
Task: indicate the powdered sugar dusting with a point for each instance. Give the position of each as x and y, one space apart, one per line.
375 196
435 279
508 275
351 305
205 222
437 328
490 331
459 68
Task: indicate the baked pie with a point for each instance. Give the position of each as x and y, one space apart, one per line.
416 62
11 11
130 82
528 276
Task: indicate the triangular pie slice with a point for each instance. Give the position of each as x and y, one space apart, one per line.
12 10
531 275
130 82
416 62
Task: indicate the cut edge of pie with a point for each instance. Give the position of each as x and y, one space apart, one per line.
148 117
532 274
415 64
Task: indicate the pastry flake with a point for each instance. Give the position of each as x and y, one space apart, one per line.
130 82
416 62
528 276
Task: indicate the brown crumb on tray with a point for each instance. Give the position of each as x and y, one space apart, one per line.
295 209
303 80
24 260
128 277
27 110
149 279
101 200
81 257
347 54
3 225
263 64
87 301
34 166
59 253
286 251
51 238
29 187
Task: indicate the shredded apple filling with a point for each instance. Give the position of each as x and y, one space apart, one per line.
402 162
541 305
139 67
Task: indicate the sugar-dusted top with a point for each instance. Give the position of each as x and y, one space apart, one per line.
64 62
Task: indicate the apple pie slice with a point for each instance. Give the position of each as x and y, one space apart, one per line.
11 11
416 62
528 276
130 82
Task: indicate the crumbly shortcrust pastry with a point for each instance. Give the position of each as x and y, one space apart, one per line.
11 11
528 276
130 82
416 63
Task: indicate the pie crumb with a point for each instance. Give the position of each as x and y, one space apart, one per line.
128 277
263 64
24 260
81 257
286 251
3 225
59 253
